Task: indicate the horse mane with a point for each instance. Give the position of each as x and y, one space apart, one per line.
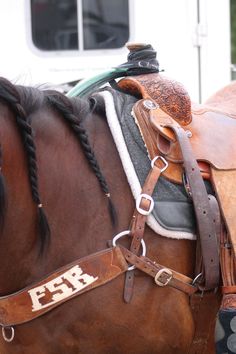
24 101
70 110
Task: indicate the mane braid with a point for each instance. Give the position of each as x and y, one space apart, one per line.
63 105
9 93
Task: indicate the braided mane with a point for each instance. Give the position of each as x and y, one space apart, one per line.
23 101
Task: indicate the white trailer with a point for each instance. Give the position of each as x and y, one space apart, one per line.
39 45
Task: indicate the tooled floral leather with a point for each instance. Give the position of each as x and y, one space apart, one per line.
170 95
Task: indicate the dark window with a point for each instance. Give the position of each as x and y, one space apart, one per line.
233 37
105 23
55 24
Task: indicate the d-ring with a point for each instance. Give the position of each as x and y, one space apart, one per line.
124 233
162 159
5 337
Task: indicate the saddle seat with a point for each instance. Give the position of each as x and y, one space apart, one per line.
211 128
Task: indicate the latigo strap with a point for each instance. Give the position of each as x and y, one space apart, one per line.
204 214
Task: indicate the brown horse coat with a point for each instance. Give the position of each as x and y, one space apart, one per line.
158 320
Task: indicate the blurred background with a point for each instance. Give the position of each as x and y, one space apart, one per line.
58 42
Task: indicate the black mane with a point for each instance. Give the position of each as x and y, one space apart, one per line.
24 101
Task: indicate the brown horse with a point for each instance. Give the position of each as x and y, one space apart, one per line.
49 174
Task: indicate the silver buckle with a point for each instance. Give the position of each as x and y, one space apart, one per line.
158 275
138 202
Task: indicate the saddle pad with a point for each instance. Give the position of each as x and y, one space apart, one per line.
173 214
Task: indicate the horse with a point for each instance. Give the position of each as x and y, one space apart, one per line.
64 195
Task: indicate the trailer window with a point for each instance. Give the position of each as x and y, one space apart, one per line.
105 23
54 24
55 27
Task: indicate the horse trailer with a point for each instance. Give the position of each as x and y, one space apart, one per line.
57 42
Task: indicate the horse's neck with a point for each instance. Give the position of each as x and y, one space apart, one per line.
76 208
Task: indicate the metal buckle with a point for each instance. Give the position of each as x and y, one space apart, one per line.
163 160
138 202
124 233
158 275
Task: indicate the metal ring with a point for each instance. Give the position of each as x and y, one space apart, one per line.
143 254
121 234
163 160
5 337
124 233
196 278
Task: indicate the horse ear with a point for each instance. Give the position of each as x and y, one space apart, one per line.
2 193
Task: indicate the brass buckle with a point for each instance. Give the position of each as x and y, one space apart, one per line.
159 274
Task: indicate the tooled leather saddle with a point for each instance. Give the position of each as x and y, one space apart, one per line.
163 111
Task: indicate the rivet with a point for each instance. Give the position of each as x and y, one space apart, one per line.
189 133
150 104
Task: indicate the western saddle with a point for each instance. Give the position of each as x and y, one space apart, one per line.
198 141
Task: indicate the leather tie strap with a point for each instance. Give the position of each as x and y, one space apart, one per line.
204 216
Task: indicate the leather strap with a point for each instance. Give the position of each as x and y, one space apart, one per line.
65 283
202 306
203 212
139 220
204 215
138 226
214 205
228 289
162 275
